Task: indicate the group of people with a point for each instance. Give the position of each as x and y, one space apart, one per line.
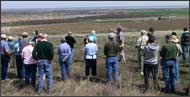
150 56
36 54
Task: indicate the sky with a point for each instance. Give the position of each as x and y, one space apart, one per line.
70 4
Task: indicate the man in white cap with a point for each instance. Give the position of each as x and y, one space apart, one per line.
141 43
71 41
5 57
111 51
90 50
22 44
11 44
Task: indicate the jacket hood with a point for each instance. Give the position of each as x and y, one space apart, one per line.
153 46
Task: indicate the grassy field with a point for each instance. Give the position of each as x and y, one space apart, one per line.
131 83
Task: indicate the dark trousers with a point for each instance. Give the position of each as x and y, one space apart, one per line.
153 69
90 64
19 63
4 63
30 74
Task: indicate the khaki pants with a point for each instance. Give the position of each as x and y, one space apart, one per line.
121 54
140 59
12 61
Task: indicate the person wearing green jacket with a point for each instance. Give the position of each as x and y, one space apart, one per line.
44 52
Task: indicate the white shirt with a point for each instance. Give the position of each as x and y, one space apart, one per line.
27 55
90 50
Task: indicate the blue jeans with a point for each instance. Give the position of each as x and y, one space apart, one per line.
65 67
185 50
30 74
19 63
169 75
177 68
71 56
4 63
112 65
44 67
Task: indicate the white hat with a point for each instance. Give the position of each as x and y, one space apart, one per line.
174 39
91 38
3 36
10 38
24 33
143 31
111 35
93 32
70 32
40 34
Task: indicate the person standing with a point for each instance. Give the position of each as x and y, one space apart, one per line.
90 50
179 52
141 43
64 51
111 51
5 57
71 41
35 37
11 44
150 53
43 52
93 34
120 40
185 44
151 32
168 54
18 56
22 44
30 64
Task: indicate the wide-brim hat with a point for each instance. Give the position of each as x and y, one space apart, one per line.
111 35
143 32
10 38
3 36
174 38
25 33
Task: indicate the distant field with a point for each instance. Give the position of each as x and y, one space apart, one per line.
179 12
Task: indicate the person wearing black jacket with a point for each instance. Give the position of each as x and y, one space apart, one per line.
71 41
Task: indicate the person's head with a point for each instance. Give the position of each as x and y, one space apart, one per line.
36 32
45 36
40 35
174 33
167 38
185 29
63 40
3 36
10 38
69 33
30 42
24 34
90 39
151 29
20 37
143 32
111 36
151 39
119 29
93 32
174 39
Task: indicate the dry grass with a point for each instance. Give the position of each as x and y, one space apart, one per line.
130 84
